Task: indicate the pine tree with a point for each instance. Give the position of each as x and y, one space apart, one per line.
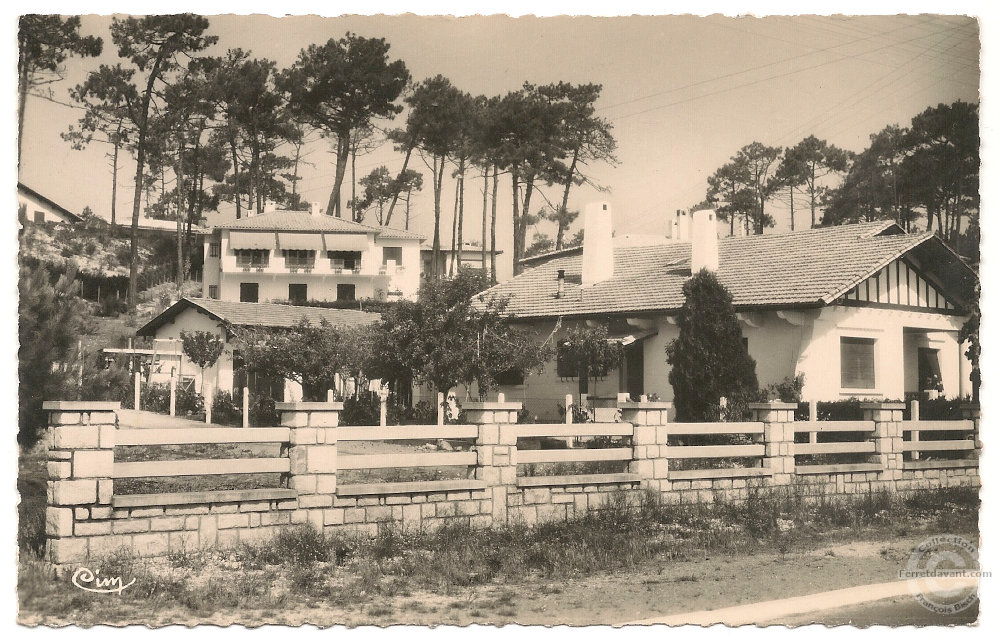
708 359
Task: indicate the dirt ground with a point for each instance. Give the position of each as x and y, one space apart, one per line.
655 589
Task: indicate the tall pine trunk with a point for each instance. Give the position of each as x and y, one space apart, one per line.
461 213
493 226
486 190
395 197
454 227
343 150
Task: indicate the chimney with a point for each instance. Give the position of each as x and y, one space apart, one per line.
317 209
683 226
560 282
598 249
704 242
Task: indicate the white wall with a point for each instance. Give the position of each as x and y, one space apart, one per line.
806 342
32 206
219 376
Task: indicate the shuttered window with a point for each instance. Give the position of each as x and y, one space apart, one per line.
857 363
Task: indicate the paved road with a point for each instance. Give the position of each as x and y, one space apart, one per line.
898 611
889 603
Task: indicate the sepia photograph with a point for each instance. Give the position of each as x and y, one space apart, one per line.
497 319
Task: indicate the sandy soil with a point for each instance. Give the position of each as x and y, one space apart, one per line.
659 588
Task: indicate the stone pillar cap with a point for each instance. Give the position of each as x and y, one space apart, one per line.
309 406
646 405
884 405
475 405
776 404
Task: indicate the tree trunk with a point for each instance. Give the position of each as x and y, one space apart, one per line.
236 175
180 218
354 185
454 227
561 231
791 202
395 197
515 254
22 101
343 148
493 226
461 214
486 190
436 242
114 181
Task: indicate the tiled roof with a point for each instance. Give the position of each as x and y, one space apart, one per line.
385 232
260 314
808 267
301 220
295 220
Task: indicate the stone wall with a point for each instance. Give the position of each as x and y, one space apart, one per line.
85 520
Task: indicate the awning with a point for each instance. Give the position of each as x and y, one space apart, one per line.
345 242
626 339
300 241
243 240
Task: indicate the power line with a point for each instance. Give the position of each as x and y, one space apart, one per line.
755 68
748 84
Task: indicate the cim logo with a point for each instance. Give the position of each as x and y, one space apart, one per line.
92 582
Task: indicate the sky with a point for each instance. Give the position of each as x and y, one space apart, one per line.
683 94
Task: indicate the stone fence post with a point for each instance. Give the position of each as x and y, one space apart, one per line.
496 461
649 441
779 438
888 418
312 455
971 411
81 459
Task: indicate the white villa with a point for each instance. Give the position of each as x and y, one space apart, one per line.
861 310
218 317
300 256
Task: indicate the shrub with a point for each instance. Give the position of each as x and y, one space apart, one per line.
938 409
225 411
156 397
49 321
111 384
788 390
708 359
262 411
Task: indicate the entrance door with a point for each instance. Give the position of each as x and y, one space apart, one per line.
634 368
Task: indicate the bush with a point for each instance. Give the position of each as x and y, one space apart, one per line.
788 390
225 411
156 397
113 384
708 359
939 409
228 410
111 307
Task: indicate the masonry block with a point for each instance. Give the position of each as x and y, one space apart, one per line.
335 516
315 501
67 550
64 418
297 459
152 544
304 483
165 524
92 528
326 483
70 492
81 513
141 513
188 509
233 521
489 435
58 470
322 459
299 516
354 515
302 436
255 506
208 532
295 419
75 437
105 489
58 522
537 495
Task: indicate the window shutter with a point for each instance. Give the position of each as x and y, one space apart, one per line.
857 363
